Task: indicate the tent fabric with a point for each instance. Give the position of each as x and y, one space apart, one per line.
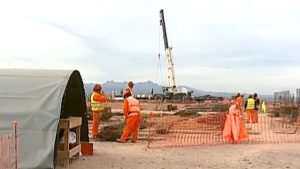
37 99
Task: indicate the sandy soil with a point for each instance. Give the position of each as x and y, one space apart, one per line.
111 155
146 105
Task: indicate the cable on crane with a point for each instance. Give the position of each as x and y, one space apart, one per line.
159 67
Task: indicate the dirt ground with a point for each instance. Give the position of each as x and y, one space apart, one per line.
111 155
148 105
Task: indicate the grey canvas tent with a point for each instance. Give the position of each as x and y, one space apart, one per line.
37 99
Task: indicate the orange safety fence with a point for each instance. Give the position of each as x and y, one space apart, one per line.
9 149
207 129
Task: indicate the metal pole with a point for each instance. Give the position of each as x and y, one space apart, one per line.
2 156
16 144
8 151
149 129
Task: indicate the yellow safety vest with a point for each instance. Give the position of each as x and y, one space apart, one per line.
96 105
263 107
250 103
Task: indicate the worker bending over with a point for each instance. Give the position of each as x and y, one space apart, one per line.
238 101
97 105
132 113
234 130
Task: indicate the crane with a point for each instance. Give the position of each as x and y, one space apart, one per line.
171 91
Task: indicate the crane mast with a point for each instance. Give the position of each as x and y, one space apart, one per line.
168 52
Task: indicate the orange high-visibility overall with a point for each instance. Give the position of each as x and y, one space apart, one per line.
234 130
254 116
132 113
255 112
97 112
250 110
238 102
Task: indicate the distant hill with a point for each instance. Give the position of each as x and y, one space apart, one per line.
139 87
146 88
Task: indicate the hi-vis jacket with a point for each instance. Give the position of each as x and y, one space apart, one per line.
131 106
97 102
250 103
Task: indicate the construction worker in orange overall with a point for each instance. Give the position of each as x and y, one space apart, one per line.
97 105
132 113
238 100
249 107
256 108
234 130
129 88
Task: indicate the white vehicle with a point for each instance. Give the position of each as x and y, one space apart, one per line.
116 96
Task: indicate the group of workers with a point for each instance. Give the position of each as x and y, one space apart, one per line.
234 130
131 110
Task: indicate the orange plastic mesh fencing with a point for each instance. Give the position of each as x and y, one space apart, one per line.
9 150
207 129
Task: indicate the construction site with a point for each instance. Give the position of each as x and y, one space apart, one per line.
52 118
173 133
191 137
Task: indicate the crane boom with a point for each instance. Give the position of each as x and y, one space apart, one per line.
168 50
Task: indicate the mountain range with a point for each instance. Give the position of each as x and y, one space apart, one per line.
147 87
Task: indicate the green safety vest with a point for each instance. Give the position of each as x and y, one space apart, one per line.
250 103
263 107
96 105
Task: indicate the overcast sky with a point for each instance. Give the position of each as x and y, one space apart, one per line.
231 46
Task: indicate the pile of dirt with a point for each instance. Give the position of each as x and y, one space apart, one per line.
143 122
111 132
187 112
291 111
114 127
106 115
195 109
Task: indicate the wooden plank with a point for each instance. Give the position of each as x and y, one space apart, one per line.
62 154
70 122
63 124
77 135
74 151
66 139
75 122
